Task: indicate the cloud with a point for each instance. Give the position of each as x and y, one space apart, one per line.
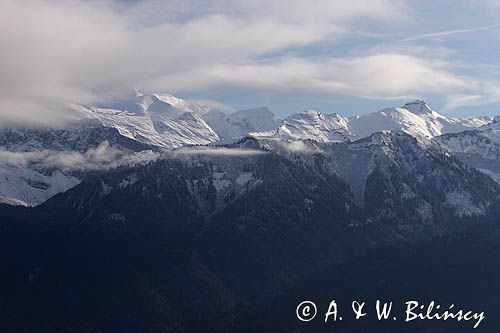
101 157
458 101
299 146
57 52
487 93
213 151
382 76
446 33
300 11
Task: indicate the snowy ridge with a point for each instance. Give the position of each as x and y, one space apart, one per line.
166 121
478 148
26 187
158 122
313 125
398 178
415 118
36 164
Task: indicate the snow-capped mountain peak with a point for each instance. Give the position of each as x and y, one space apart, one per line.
415 118
418 107
167 121
313 125
171 99
180 104
161 120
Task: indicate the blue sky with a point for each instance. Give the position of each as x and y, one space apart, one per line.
350 57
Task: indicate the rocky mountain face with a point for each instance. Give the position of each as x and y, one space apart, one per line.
416 186
202 190
478 148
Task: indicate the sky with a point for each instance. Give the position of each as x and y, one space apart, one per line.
350 57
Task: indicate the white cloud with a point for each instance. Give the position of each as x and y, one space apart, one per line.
332 11
446 33
56 52
487 93
298 146
386 76
213 151
458 101
101 157
492 92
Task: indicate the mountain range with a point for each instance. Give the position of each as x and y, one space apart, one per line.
40 162
166 215
167 121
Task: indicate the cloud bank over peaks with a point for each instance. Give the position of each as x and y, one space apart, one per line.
57 52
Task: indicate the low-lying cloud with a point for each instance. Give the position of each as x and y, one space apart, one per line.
101 157
214 151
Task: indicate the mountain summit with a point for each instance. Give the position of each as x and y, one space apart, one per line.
166 121
313 125
418 107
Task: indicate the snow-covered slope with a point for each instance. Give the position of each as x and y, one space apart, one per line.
313 125
478 148
166 121
160 120
415 118
231 126
413 184
28 187
36 164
